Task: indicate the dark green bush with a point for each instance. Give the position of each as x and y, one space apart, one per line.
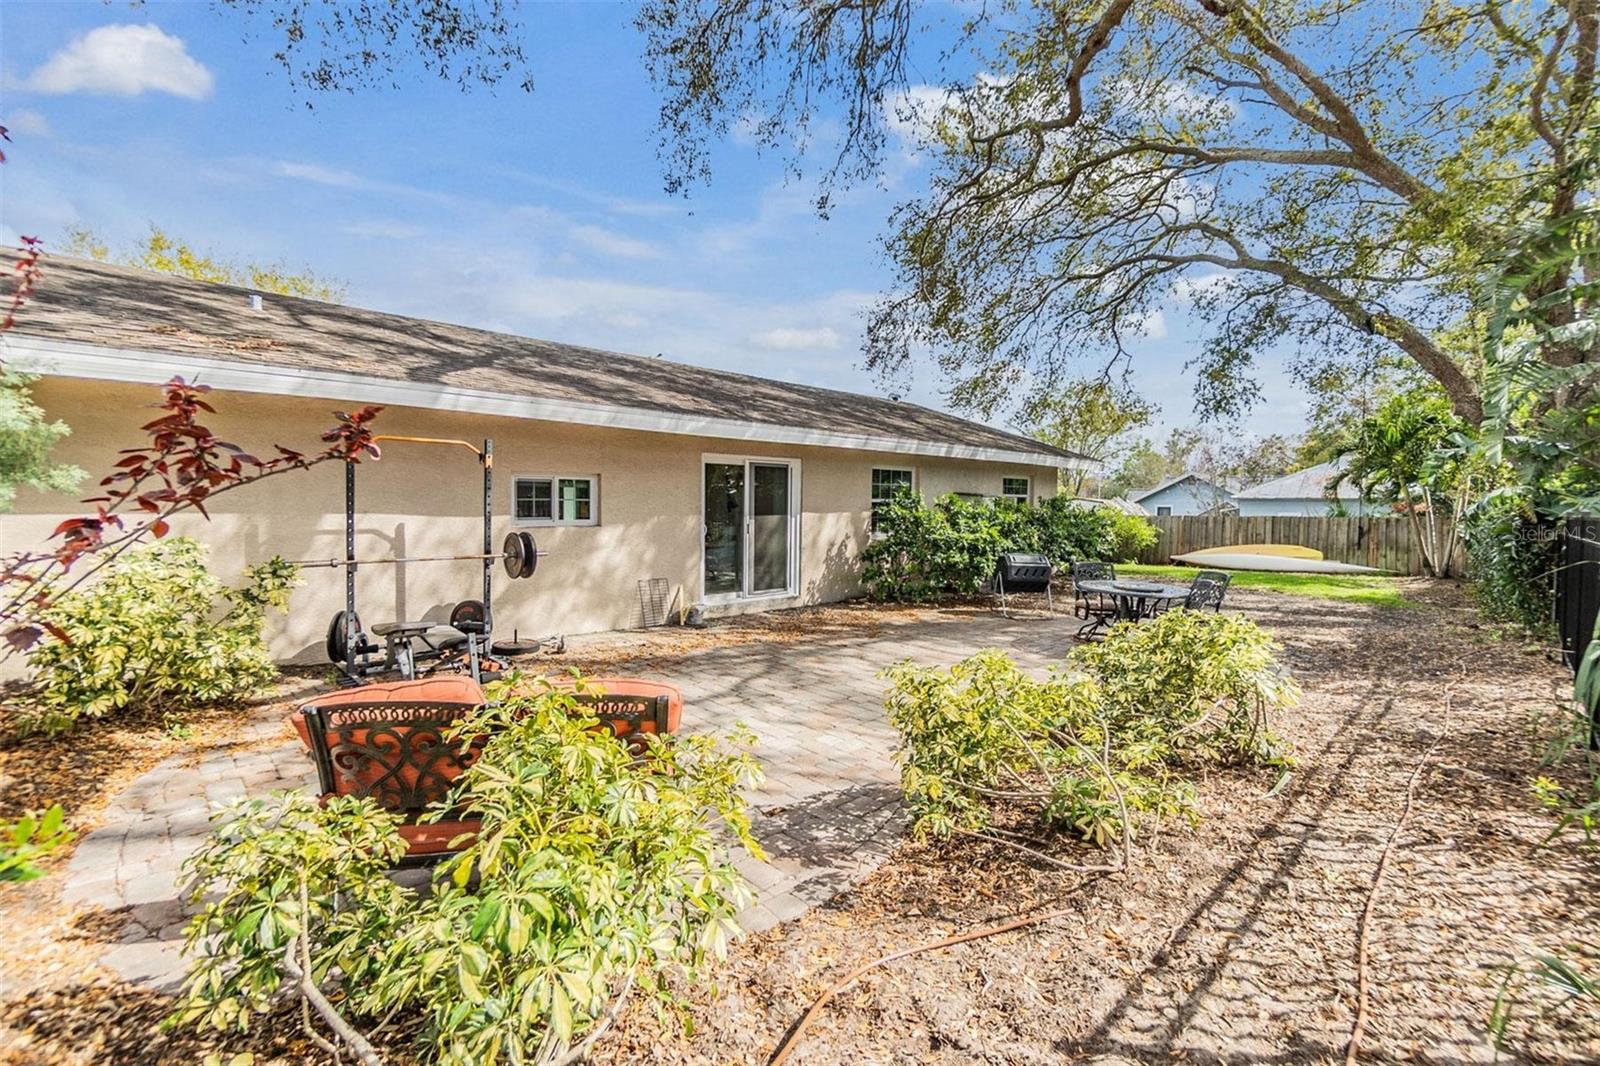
950 547
1510 560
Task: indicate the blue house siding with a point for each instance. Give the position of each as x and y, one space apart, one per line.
1184 497
1302 506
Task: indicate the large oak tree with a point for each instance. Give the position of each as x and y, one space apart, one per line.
1326 174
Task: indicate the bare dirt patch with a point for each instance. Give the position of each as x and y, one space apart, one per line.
1235 942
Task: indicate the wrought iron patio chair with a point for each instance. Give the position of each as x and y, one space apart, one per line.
1205 592
1214 577
1095 608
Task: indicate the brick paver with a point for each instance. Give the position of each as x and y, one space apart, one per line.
828 814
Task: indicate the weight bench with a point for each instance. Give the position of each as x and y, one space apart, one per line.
387 742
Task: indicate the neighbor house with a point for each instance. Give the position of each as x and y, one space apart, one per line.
1185 494
1305 493
743 493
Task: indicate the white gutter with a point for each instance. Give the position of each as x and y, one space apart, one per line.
72 359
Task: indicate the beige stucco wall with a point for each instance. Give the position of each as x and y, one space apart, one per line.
427 501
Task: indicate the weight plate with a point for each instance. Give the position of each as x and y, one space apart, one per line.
468 611
511 554
337 643
511 649
530 553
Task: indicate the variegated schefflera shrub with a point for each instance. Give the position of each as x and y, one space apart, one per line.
594 872
1099 749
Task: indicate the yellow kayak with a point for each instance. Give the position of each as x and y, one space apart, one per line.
1284 551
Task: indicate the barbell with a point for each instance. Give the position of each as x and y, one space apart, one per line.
520 553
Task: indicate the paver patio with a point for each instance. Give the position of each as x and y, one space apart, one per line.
828 814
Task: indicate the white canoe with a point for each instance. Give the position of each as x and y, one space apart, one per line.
1278 563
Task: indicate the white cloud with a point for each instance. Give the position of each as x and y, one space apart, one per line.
609 242
788 339
1151 324
914 112
319 175
1176 99
383 229
27 122
124 61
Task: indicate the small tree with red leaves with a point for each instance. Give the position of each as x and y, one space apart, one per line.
181 467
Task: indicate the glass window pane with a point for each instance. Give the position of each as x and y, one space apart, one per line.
532 499
724 522
769 510
576 499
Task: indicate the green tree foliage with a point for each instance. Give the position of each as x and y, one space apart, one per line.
1216 456
1414 455
27 840
923 552
1141 466
593 872
166 254
1542 356
345 47
1096 751
27 437
1088 416
1326 175
156 630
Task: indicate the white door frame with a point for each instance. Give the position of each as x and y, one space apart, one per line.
792 588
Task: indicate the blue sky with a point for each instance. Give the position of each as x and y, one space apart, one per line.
539 214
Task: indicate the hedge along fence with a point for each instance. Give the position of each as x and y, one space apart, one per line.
1385 543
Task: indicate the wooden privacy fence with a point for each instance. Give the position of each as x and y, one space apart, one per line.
1384 543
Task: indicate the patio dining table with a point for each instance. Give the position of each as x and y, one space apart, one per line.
1133 600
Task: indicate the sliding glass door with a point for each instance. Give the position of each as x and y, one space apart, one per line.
751 526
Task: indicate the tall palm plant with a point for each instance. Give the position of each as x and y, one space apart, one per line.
1411 455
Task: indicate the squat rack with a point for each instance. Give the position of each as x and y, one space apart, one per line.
485 457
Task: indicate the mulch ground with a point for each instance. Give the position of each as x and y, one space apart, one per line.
1232 942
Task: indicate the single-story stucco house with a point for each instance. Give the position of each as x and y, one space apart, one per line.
1305 493
743 493
1184 494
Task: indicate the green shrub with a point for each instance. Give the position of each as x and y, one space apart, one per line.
157 630
1196 687
271 871
29 839
1131 535
596 872
922 552
1510 561
1095 752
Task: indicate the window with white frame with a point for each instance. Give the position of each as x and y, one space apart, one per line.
885 483
556 499
1015 489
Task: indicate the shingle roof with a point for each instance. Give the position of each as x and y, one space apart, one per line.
1308 484
1139 494
119 307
